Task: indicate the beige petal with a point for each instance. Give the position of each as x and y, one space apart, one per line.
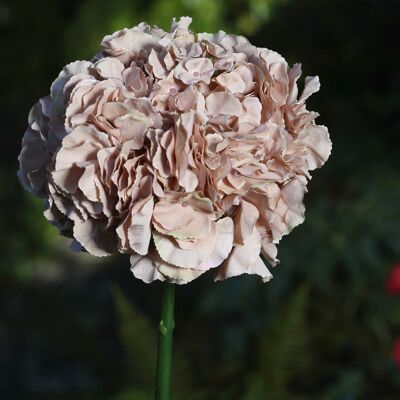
269 251
87 183
159 70
94 237
223 103
129 40
180 276
57 87
109 67
145 269
231 81
151 268
208 253
195 70
67 179
245 221
139 232
189 181
319 145
311 86
292 196
81 145
245 259
179 218
33 160
186 100
182 24
294 75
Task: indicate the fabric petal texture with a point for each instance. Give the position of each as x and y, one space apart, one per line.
188 152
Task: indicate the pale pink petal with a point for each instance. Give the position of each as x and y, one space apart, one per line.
294 75
194 70
33 160
151 268
269 251
145 269
79 146
231 81
189 181
292 197
139 232
245 221
95 238
187 217
135 80
159 70
208 253
180 276
311 86
109 67
186 100
87 184
67 179
223 103
57 88
245 259
128 41
182 24
319 145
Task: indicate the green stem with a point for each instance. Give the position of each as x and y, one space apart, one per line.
164 355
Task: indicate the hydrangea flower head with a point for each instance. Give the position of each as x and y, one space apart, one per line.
188 152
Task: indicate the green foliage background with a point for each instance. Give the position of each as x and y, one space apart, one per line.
76 328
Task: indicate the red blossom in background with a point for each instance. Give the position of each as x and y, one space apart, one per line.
396 352
392 284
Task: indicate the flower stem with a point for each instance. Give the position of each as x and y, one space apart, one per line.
164 355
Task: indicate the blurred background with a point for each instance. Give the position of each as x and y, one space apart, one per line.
325 328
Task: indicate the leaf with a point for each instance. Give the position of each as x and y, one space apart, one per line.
139 339
283 352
